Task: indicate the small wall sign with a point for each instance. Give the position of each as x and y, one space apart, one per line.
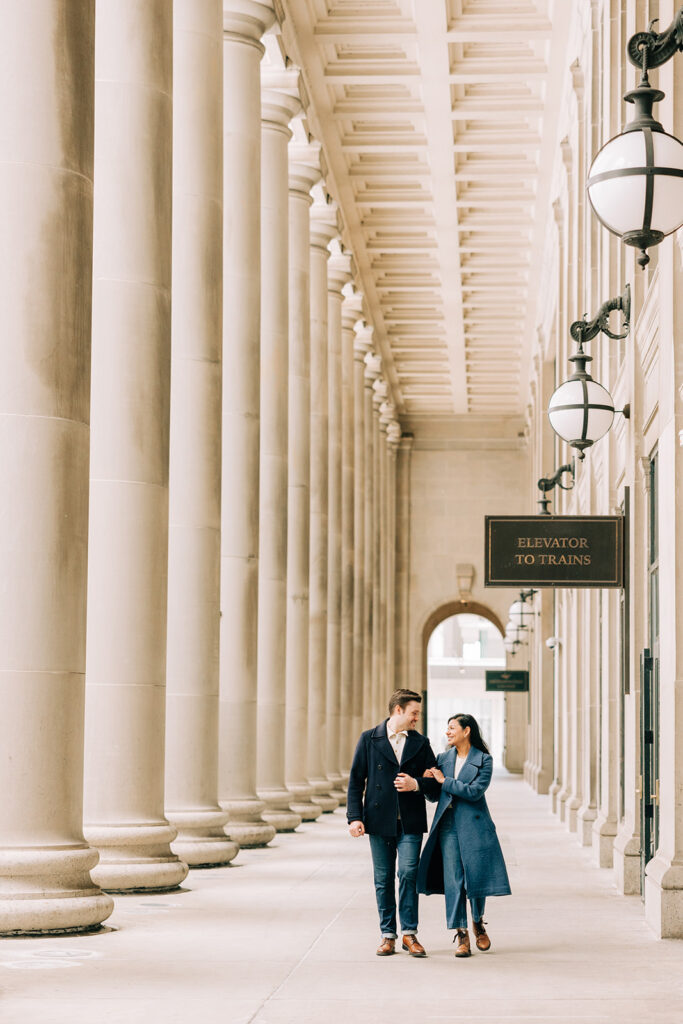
512 681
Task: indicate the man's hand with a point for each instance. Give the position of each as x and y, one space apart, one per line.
356 828
434 773
405 783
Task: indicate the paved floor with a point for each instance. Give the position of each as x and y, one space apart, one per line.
288 934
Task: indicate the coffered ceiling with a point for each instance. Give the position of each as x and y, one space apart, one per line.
439 121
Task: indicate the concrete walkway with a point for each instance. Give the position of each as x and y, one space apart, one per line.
288 934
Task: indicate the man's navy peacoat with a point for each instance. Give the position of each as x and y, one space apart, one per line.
372 797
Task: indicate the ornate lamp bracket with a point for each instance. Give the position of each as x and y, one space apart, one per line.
584 330
652 49
547 483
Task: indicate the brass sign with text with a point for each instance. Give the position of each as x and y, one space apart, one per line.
508 681
554 551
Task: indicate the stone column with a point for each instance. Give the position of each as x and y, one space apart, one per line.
128 556
194 537
338 275
279 103
323 228
383 415
244 22
372 371
46 172
347 740
403 560
378 446
393 441
303 174
361 347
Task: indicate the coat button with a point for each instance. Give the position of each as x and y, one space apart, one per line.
379 767
378 786
376 804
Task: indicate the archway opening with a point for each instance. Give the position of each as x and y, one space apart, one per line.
459 651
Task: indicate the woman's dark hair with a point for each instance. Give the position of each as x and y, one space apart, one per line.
475 732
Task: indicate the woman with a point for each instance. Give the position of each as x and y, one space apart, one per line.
462 856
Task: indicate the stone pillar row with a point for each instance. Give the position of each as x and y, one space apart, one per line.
230 533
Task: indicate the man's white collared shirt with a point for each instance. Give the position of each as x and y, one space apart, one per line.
397 741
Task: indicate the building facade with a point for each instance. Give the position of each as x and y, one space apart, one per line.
287 289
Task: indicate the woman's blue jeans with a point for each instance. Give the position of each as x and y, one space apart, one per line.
385 850
454 876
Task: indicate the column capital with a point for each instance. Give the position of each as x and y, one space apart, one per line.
373 368
387 411
363 340
280 99
352 307
406 442
380 389
394 436
246 20
324 225
339 275
304 167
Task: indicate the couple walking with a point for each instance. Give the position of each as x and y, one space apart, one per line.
393 770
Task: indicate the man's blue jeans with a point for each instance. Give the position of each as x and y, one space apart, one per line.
454 876
384 852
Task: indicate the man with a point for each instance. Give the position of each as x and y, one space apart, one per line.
385 800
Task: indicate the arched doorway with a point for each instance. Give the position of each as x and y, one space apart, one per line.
459 650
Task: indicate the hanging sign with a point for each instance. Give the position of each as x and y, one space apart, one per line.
554 551
511 682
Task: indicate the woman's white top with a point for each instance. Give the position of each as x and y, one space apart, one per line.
459 762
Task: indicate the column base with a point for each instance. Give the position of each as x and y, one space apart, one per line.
136 858
321 795
604 832
553 790
664 898
571 813
562 798
337 788
245 824
49 892
277 812
584 824
201 841
627 862
300 802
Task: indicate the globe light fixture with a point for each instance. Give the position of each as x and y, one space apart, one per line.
635 183
581 410
522 614
514 633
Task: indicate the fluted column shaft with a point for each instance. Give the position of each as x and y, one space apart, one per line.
346 696
402 619
377 560
372 365
338 274
195 448
393 438
302 177
244 23
360 349
322 231
46 172
128 556
277 109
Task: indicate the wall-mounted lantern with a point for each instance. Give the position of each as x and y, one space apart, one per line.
581 410
635 183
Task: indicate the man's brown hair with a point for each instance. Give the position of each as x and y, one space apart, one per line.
400 698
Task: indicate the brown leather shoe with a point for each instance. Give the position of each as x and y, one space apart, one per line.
387 948
412 946
482 939
462 937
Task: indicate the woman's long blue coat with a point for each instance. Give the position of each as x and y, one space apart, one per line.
482 857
